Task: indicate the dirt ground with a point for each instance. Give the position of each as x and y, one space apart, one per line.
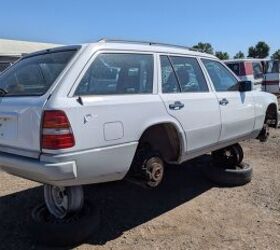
186 212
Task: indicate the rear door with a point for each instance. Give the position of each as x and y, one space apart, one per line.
24 89
237 108
187 97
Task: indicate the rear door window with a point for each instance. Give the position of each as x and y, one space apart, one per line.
33 76
182 74
118 73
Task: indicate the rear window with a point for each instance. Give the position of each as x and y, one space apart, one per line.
33 76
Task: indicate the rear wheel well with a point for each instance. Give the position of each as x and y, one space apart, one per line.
271 115
163 138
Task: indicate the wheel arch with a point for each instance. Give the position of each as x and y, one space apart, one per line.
166 136
272 114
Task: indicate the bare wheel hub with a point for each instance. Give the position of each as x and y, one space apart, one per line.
154 169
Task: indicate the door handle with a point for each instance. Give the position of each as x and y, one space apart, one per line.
224 102
176 105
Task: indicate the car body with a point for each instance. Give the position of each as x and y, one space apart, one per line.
4 65
248 70
85 124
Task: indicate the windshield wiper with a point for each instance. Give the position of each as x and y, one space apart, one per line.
3 92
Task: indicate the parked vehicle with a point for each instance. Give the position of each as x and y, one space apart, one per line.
271 82
248 70
99 112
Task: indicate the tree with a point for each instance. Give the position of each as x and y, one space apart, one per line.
261 50
276 55
222 55
204 47
252 52
239 55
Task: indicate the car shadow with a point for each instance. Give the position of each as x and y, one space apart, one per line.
122 205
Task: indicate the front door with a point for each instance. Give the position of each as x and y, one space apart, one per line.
237 108
186 95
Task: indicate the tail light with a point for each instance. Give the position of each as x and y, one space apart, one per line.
56 131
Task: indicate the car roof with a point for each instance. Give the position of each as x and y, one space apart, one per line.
245 60
149 47
140 46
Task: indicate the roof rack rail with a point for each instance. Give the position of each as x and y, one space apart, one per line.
105 40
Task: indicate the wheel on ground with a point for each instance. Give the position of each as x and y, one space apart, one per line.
223 175
63 201
230 156
147 168
71 231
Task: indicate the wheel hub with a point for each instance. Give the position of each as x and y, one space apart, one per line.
154 171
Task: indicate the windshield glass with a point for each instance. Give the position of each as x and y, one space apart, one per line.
33 76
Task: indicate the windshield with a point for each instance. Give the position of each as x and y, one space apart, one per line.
33 76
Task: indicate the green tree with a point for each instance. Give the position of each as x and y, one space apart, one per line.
261 50
204 47
276 55
252 52
239 55
222 55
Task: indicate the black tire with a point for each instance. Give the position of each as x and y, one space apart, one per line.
229 177
71 231
236 155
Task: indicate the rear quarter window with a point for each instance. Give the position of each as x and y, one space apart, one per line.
117 74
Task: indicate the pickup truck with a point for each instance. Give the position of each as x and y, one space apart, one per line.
92 113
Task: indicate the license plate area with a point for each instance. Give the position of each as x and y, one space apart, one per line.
8 127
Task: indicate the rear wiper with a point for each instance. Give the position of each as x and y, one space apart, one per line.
3 92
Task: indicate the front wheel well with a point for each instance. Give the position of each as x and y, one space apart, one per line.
271 116
163 138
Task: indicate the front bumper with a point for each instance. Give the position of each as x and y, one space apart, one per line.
34 169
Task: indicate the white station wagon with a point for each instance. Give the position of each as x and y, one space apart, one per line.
77 115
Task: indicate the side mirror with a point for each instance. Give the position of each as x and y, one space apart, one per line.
245 86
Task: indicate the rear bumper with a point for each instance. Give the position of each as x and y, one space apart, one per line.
74 168
34 169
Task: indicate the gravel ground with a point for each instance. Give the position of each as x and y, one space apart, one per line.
186 212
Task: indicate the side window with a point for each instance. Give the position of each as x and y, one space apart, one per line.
257 70
189 74
234 67
113 73
221 77
169 80
4 65
272 67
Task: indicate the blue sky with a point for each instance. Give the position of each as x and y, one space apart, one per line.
228 25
